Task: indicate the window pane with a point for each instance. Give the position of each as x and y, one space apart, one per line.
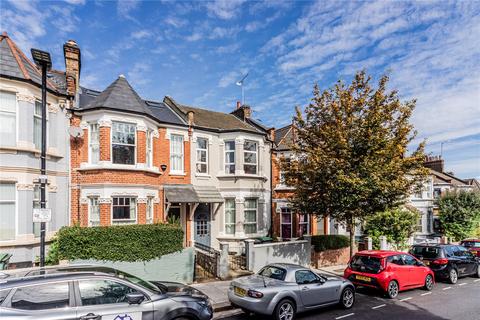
96 292
37 132
251 203
250 146
230 157
249 169
41 297
7 191
286 218
230 145
202 143
123 154
250 216
8 101
250 158
123 133
201 156
8 133
250 228
7 221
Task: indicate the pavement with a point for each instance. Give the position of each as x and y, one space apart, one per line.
217 290
444 302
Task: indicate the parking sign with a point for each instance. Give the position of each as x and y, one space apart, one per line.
42 215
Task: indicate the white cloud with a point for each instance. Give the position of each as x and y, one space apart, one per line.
225 9
125 7
75 2
141 34
175 21
194 37
138 75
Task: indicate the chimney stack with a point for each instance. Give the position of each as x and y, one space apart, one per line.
242 112
190 116
239 104
73 64
434 162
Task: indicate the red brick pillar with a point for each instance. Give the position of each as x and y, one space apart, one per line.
75 206
84 214
188 227
105 143
313 225
105 212
142 211
141 146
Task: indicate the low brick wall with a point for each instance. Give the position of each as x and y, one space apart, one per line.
331 257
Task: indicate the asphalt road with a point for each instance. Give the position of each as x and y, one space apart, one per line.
445 301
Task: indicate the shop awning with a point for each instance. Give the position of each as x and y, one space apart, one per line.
189 194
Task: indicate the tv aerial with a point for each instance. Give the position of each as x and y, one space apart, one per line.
240 84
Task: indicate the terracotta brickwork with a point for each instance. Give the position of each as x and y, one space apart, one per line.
150 181
104 143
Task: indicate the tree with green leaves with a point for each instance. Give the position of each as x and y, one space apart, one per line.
350 150
459 214
397 224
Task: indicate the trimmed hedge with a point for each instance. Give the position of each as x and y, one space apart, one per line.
330 242
119 243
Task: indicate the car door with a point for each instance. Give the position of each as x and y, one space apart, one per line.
463 265
105 298
48 300
468 260
415 270
313 289
399 270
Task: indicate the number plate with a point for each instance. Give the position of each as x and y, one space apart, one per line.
367 279
240 292
427 263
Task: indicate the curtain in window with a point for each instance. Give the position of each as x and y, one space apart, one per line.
250 211
230 216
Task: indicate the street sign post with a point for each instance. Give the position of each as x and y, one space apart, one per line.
42 215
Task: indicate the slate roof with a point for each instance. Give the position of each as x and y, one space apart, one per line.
120 96
442 177
474 183
213 120
283 138
14 64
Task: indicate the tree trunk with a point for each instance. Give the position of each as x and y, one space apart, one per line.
352 236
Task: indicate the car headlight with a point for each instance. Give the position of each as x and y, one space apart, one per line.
207 303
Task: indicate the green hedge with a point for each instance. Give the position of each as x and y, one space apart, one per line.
330 242
119 243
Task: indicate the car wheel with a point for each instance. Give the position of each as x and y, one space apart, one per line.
453 276
429 282
392 289
478 271
285 310
347 298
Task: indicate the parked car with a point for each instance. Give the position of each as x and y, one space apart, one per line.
448 261
473 245
283 290
94 293
389 271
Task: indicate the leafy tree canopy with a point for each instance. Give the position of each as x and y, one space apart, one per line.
460 214
350 147
396 224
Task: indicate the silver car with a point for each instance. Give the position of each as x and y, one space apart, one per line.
283 290
94 293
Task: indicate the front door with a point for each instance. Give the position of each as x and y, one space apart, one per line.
202 224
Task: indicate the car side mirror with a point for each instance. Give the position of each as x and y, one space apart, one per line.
135 298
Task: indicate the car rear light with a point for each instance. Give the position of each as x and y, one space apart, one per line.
255 294
441 261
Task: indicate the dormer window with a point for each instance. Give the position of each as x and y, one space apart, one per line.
123 143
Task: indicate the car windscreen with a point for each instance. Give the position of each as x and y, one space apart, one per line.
273 272
426 252
471 244
146 284
366 264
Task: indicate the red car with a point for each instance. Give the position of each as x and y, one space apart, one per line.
473 245
389 271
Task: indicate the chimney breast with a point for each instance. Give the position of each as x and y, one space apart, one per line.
72 55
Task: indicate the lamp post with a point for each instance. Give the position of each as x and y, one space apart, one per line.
43 60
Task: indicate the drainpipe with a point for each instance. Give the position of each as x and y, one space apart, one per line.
270 231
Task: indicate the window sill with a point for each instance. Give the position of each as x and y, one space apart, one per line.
242 176
202 175
112 166
283 187
37 152
173 173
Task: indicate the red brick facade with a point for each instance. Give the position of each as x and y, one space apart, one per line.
84 177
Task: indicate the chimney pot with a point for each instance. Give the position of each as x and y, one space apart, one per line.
238 105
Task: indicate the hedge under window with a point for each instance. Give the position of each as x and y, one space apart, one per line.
124 210
123 143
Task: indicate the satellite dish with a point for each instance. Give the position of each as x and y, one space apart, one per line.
75 132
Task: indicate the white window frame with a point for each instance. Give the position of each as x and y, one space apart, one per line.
245 209
90 143
14 201
234 216
15 114
149 211
225 157
206 156
125 221
172 155
303 223
90 205
124 144
149 148
284 223
251 152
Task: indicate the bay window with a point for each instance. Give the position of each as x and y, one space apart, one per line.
230 216
124 210
93 212
176 153
250 219
7 211
8 111
229 157
123 143
94 143
250 157
202 155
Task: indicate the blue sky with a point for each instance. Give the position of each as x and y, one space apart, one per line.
196 51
